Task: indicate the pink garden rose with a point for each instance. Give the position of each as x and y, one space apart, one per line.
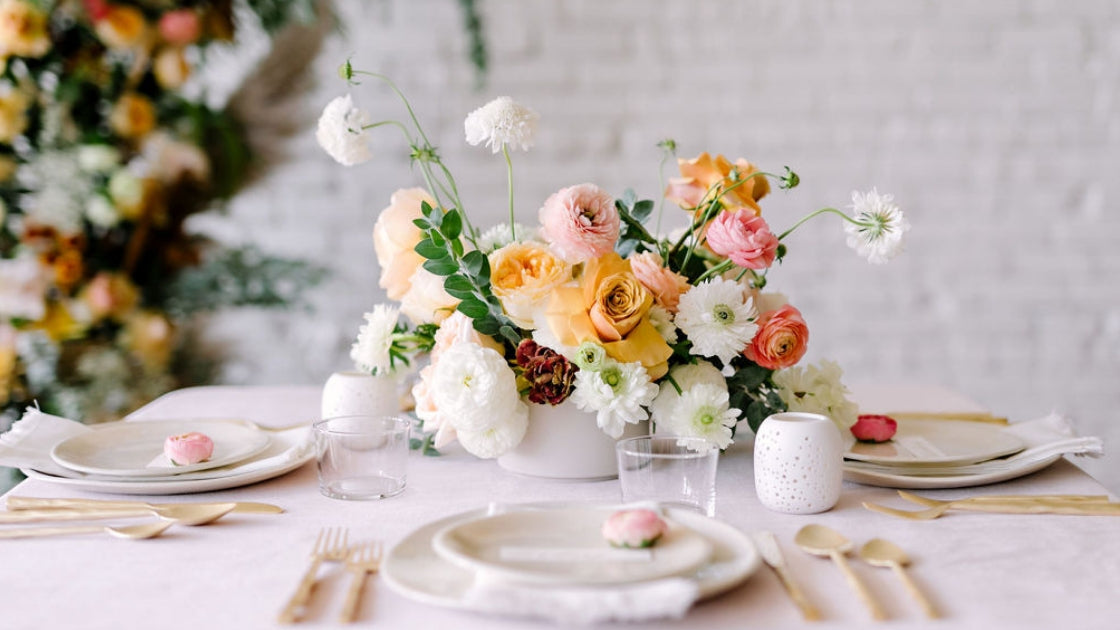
781 340
634 528
665 284
744 238
580 222
188 448
180 27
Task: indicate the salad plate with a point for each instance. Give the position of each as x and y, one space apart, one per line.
938 442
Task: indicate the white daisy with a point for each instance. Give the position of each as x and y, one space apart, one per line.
617 393
718 318
474 387
662 320
817 389
685 377
501 122
704 411
881 225
341 132
370 351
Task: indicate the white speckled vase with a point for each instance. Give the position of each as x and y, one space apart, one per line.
360 394
798 463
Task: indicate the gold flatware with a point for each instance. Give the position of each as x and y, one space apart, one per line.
27 503
883 553
131 532
822 541
1034 506
331 545
186 514
772 555
1001 498
364 559
967 416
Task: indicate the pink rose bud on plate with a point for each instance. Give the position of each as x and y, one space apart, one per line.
634 528
872 428
188 448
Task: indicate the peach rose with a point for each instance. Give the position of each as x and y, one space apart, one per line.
523 276
580 222
133 116
744 238
665 284
702 173
426 301
121 27
23 29
781 340
395 236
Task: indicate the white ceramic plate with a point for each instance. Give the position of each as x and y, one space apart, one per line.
937 442
901 480
414 570
135 449
565 547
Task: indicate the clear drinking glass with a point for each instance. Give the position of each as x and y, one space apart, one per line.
673 471
361 457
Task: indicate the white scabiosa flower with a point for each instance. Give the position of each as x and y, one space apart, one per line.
878 233
817 389
501 122
662 320
498 237
370 352
618 394
704 411
475 389
718 318
342 132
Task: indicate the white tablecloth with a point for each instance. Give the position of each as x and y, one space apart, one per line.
983 571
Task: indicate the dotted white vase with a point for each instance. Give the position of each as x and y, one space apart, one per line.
798 463
360 394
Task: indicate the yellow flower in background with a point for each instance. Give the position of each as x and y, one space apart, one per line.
13 119
395 236
150 336
133 116
702 173
23 29
110 295
523 276
122 27
8 168
171 68
59 324
7 361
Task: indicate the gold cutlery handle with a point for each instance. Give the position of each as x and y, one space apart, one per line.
298 601
35 532
350 607
915 592
25 503
38 516
808 611
1041 506
858 586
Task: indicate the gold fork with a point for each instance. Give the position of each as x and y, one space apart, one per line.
330 545
364 559
1008 506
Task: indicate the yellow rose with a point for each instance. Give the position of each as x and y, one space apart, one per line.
523 276
395 236
701 173
133 116
122 27
611 308
23 29
13 116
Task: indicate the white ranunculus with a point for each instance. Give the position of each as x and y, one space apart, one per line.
342 132
817 389
475 389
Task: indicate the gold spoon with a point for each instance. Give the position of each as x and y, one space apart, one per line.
883 553
132 532
822 541
32 503
184 514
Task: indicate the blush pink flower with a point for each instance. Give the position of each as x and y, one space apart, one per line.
580 222
665 284
634 528
781 340
744 238
873 428
180 27
188 448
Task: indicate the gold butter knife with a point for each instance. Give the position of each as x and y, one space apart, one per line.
772 555
30 503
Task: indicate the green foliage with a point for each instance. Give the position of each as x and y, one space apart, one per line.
633 235
752 391
476 47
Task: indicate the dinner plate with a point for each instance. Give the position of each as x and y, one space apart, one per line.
914 482
938 442
135 449
566 547
414 570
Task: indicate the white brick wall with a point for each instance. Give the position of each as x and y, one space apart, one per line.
996 125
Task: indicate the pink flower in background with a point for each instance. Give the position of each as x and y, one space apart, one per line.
665 284
180 27
874 428
634 528
580 222
781 340
744 238
188 448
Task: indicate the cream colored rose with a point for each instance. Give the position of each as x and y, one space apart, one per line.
426 301
13 116
523 276
395 236
133 116
23 29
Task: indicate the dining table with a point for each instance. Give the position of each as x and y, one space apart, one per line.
980 570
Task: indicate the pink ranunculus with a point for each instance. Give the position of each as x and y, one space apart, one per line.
781 340
634 528
874 428
580 222
180 27
666 285
744 238
188 448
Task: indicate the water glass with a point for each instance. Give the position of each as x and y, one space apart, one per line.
361 457
672 471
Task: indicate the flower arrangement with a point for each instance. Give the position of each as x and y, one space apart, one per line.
590 305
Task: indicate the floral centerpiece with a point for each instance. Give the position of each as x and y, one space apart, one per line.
589 304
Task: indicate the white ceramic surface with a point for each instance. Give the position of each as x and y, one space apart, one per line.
356 393
901 480
563 442
135 449
935 442
566 547
798 463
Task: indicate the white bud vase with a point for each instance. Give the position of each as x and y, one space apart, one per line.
798 463
358 393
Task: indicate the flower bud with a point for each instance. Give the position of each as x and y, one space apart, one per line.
188 448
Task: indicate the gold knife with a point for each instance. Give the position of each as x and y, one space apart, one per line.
772 555
35 503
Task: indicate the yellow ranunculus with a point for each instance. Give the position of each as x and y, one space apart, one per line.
523 276
702 173
611 308
23 29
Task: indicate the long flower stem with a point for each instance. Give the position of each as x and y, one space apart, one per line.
509 179
712 271
817 213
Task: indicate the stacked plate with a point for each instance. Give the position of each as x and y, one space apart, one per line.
548 559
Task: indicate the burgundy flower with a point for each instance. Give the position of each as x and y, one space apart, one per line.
548 374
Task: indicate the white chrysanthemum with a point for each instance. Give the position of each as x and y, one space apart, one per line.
498 237
617 394
718 318
663 409
474 387
704 411
341 132
370 352
817 389
878 236
501 122
662 320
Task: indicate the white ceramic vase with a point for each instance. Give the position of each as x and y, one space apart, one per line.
357 394
564 442
798 463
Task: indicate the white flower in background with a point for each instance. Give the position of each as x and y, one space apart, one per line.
426 301
817 389
57 190
718 318
498 237
501 122
170 160
617 393
662 320
370 352
23 288
98 158
475 389
881 225
101 212
704 411
664 407
342 132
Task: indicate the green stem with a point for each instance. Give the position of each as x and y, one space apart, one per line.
817 213
661 182
407 105
712 271
509 178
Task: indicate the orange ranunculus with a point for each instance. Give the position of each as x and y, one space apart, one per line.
610 307
781 340
523 276
395 236
704 173
24 29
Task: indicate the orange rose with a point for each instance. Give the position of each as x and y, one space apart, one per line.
395 236
665 284
781 340
704 173
523 276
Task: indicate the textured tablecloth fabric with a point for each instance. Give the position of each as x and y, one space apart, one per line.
981 570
